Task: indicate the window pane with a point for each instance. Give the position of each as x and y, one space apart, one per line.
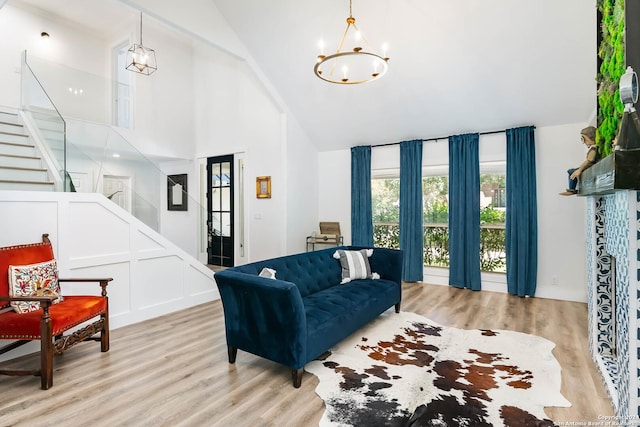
385 202
225 174
216 225
435 193
492 223
215 175
226 224
435 198
215 199
226 199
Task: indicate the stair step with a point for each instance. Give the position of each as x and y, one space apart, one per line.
12 173
10 118
12 148
22 168
17 138
17 144
22 135
15 125
26 185
20 161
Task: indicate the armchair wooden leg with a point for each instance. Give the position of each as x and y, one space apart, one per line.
296 375
46 351
398 308
104 333
232 352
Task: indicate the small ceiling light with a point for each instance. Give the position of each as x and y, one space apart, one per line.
352 65
45 35
141 59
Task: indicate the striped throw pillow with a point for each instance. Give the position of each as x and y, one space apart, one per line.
355 265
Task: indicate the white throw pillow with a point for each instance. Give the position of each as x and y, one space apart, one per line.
33 280
268 272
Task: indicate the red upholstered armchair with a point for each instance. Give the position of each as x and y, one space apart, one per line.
21 321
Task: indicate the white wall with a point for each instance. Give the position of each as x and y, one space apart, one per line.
20 29
237 110
334 189
182 227
302 184
561 222
164 107
92 237
207 98
233 114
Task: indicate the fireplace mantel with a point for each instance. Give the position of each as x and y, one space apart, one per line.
618 171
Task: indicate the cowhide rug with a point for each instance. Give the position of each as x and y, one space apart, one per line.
406 370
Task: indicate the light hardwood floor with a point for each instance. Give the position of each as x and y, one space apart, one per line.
173 370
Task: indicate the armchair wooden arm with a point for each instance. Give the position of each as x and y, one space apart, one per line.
42 299
103 282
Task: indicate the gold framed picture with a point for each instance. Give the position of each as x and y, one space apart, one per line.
263 187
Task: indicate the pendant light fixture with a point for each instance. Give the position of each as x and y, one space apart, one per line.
354 63
141 59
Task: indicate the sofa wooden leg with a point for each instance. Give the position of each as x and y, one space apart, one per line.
296 375
398 308
232 352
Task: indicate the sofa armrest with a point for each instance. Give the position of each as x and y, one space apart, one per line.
263 316
386 262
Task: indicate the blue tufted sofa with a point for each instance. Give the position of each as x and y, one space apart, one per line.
305 311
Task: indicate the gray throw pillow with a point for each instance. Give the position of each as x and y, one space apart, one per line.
355 265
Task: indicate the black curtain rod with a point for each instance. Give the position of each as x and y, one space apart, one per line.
437 139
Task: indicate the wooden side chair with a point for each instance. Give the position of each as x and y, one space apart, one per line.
31 310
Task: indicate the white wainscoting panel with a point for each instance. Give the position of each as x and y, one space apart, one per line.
119 290
94 237
18 225
103 232
165 282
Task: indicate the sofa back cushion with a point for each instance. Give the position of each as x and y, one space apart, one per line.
310 271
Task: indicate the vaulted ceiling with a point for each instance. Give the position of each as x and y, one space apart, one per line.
456 66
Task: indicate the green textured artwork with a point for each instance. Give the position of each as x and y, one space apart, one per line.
612 67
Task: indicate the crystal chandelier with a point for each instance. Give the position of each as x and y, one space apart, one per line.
351 65
141 59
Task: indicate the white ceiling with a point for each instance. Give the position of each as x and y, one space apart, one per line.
456 66
103 16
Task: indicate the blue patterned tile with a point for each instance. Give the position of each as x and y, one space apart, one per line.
610 225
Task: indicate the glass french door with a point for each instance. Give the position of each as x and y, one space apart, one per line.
220 210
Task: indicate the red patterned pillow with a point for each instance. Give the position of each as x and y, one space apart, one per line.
33 280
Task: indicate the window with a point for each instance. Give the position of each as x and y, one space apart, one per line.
435 199
385 205
492 222
122 99
435 195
